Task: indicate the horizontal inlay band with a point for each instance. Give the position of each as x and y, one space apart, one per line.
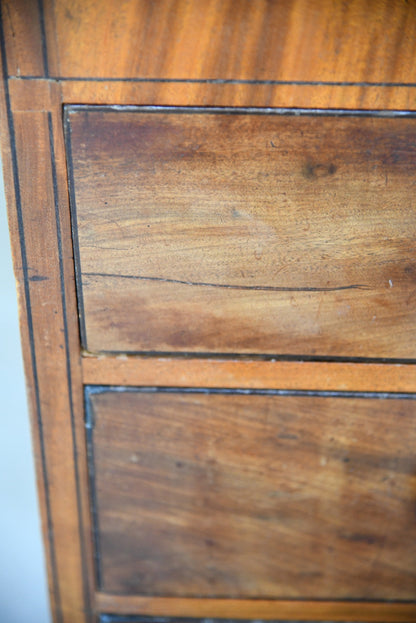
248 374
258 609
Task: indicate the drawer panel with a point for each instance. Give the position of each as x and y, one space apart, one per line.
204 231
253 495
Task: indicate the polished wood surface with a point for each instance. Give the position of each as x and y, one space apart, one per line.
262 496
22 32
247 374
44 271
259 609
34 94
201 53
244 233
319 54
290 40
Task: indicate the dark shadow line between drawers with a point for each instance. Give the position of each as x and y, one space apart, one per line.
237 110
74 230
89 433
272 358
222 81
90 390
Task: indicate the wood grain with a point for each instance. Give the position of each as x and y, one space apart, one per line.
263 95
34 94
259 609
299 54
79 607
294 40
22 31
44 288
43 265
245 233
261 496
248 374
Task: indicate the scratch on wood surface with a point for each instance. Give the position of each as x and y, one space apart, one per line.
261 288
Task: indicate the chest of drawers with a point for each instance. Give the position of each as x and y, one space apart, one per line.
212 211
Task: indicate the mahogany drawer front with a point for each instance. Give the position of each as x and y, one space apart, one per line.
203 231
261 495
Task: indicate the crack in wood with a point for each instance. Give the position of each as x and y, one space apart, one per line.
354 286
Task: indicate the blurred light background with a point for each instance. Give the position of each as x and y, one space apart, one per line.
23 589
